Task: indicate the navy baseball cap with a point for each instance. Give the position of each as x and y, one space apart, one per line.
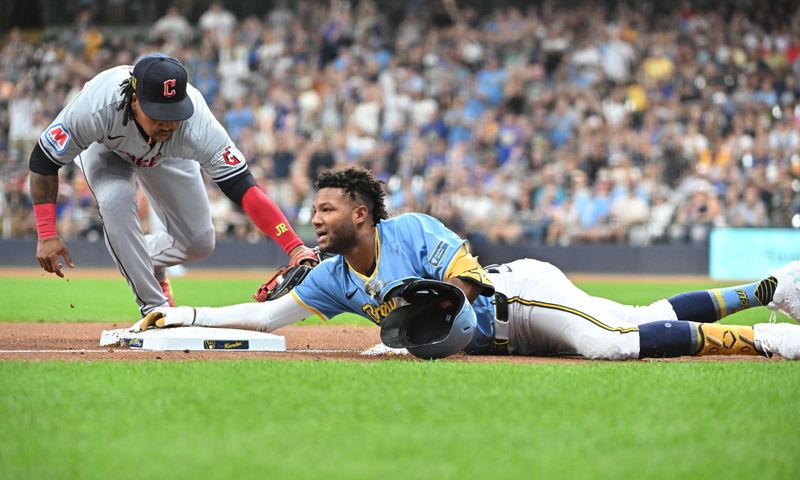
160 85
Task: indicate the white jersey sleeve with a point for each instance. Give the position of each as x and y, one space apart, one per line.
207 142
96 115
87 118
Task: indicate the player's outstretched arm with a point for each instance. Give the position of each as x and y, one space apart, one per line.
267 216
263 317
44 193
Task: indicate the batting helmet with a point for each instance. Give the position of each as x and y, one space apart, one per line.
437 320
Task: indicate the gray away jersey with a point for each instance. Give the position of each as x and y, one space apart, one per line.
93 116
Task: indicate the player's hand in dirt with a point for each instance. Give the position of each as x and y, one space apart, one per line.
47 252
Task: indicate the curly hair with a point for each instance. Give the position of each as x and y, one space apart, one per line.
127 96
361 185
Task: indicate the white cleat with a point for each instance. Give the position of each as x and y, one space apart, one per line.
787 293
780 338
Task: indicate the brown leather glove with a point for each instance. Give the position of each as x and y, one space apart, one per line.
281 283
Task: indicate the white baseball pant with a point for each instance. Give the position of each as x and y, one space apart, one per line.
178 196
549 315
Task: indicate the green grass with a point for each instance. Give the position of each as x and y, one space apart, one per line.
103 300
110 300
389 419
399 419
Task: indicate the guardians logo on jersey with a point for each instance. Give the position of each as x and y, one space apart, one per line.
378 313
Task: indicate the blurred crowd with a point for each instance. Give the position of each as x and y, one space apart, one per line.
630 122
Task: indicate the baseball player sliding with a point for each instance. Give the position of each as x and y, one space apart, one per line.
399 273
148 123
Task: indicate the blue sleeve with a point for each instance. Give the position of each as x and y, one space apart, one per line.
435 244
320 292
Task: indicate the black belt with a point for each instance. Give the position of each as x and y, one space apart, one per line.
500 337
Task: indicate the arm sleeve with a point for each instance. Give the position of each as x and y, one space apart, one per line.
236 187
262 210
267 216
42 164
263 317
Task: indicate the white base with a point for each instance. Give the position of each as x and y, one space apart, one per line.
194 338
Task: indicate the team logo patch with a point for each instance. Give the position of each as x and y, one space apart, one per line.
438 253
58 137
226 344
374 287
135 342
232 156
169 87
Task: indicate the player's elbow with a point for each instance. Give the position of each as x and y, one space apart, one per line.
471 290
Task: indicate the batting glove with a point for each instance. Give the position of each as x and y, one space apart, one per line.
151 320
163 317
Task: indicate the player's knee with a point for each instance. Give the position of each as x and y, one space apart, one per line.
200 246
608 346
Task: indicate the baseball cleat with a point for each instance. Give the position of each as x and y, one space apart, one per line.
166 287
780 338
787 293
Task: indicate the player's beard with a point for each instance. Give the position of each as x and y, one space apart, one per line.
341 239
163 135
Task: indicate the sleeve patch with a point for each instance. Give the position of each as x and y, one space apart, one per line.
232 156
58 137
438 253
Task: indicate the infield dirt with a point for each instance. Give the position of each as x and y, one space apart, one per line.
80 341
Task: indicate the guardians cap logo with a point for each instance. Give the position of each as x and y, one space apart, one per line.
160 83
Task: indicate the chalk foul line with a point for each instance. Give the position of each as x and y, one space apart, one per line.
106 350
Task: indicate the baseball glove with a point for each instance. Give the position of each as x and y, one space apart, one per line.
281 283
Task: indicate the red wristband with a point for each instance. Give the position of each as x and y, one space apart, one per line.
45 214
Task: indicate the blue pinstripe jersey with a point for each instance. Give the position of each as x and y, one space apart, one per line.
409 245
